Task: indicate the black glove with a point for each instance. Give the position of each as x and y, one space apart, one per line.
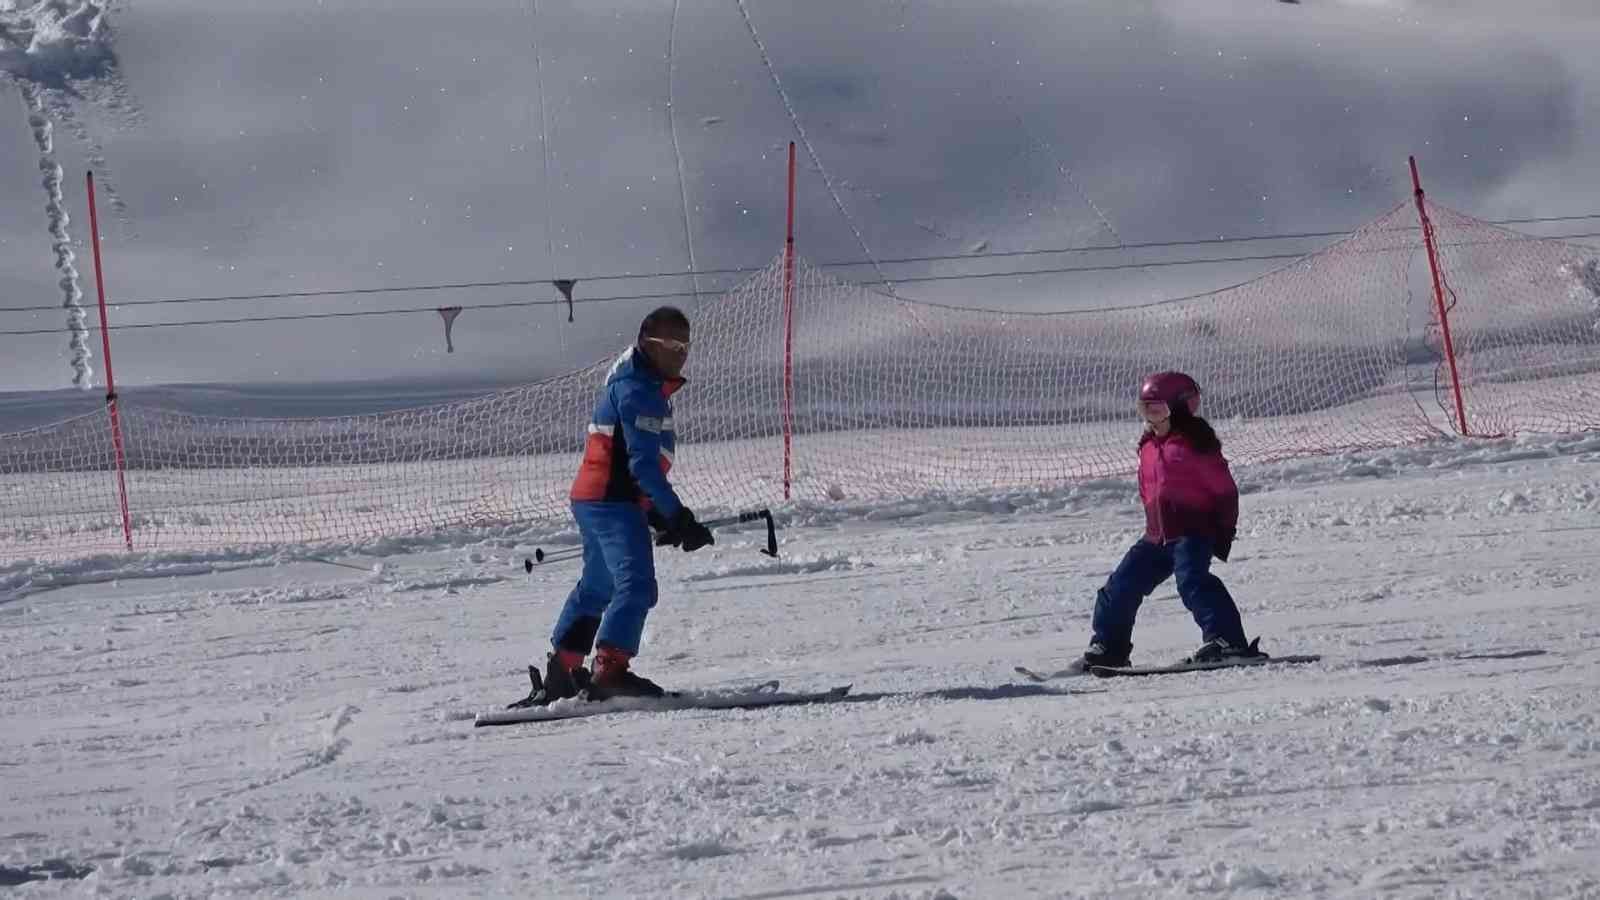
689 533
662 528
1223 546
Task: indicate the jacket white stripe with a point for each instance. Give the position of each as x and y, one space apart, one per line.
607 430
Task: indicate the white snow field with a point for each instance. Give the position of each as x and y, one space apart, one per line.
263 725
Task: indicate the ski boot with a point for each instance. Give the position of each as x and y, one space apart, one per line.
613 678
1101 654
558 683
1220 651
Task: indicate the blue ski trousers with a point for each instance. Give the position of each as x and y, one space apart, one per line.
1143 568
617 589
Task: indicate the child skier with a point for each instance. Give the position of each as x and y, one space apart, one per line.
621 492
1191 508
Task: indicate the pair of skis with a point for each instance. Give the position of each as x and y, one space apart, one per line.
1134 671
761 695
769 694
1377 662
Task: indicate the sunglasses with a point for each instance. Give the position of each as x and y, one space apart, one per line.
672 344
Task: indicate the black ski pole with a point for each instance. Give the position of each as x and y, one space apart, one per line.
554 556
751 515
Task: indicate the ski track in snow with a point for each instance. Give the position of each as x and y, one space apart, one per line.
790 566
61 56
267 725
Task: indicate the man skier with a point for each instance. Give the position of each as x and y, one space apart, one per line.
621 492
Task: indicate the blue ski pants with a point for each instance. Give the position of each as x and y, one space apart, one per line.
617 589
1144 567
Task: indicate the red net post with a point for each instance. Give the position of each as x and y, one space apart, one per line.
788 336
111 382
1440 309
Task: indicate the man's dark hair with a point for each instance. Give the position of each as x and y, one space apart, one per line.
661 317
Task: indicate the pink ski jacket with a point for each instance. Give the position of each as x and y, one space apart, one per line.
1185 493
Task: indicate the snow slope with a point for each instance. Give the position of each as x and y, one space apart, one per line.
268 725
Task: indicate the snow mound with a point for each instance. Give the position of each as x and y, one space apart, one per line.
55 42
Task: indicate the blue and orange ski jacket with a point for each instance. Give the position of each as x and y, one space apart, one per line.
631 439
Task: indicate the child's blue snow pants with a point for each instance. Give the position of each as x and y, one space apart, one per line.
1143 568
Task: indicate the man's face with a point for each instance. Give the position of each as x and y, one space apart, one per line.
667 349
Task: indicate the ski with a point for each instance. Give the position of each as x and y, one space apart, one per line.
761 695
1246 663
1039 677
1042 677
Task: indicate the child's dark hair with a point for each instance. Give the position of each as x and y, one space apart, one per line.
1201 436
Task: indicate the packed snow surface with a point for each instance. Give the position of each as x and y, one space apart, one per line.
269 724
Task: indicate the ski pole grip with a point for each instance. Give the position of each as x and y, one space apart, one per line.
751 515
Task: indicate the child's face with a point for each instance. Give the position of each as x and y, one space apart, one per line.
1154 411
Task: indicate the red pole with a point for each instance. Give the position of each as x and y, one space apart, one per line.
1438 299
111 382
788 335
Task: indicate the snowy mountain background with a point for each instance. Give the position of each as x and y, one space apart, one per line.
350 146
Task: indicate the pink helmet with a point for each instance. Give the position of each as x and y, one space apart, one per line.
1170 388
